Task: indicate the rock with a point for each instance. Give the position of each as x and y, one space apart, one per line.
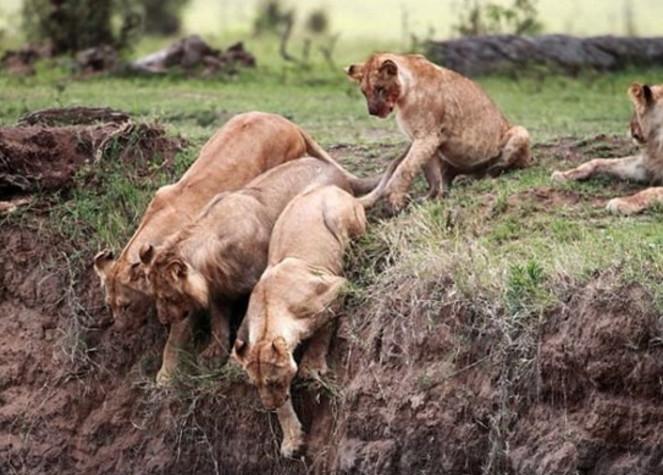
507 53
193 53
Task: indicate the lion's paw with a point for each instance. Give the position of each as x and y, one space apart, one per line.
397 202
292 446
559 177
164 378
620 206
214 354
312 369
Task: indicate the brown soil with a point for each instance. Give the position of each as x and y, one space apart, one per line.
42 158
423 383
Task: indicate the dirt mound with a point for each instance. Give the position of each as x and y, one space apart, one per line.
21 62
46 158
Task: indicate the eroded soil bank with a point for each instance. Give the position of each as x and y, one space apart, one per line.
422 382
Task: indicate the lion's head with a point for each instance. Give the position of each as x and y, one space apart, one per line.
647 111
179 290
127 292
271 368
379 82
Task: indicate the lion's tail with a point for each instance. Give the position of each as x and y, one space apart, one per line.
358 185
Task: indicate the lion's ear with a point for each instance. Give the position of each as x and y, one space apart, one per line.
102 263
355 72
239 350
177 269
641 93
146 253
388 68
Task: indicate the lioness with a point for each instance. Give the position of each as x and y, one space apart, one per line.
220 256
290 302
455 128
647 166
246 146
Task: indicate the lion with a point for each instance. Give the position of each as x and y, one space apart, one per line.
291 302
647 166
454 127
246 146
219 257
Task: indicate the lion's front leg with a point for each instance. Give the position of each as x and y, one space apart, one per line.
421 152
180 338
628 168
293 435
637 203
218 348
314 360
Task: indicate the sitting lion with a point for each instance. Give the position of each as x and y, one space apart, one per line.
220 256
647 166
290 302
455 128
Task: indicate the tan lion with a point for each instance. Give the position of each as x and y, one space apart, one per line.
647 166
455 128
246 146
291 301
220 256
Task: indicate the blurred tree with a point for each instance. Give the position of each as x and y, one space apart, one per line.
481 17
629 20
73 25
272 17
162 17
317 22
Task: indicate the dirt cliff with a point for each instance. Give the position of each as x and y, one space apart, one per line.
423 380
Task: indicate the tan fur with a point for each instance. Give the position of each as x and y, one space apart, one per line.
647 131
455 128
220 256
290 303
247 145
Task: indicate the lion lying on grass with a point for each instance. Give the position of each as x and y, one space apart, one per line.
455 128
291 301
647 166
220 256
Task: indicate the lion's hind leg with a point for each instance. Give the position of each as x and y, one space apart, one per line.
637 203
628 168
516 151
